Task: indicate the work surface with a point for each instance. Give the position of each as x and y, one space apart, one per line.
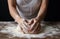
50 30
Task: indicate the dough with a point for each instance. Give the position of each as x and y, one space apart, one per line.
36 30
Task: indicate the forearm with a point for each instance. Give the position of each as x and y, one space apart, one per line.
42 10
13 11
14 14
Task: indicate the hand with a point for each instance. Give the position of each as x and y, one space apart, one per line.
33 22
24 25
34 25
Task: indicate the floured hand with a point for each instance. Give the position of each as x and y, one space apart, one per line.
30 26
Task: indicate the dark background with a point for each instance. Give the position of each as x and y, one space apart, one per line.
53 13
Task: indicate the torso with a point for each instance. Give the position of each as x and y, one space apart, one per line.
28 9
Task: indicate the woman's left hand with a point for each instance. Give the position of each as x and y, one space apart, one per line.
33 22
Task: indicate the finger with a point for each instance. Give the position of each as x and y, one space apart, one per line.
24 30
33 31
31 22
36 31
36 28
35 22
26 24
26 21
23 26
28 27
33 26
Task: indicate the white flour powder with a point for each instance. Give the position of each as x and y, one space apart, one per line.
46 31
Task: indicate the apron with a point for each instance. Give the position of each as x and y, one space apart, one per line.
28 9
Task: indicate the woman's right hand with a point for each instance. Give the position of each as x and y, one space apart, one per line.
23 25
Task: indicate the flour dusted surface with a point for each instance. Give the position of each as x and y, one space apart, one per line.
47 30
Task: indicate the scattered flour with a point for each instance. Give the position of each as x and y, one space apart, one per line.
14 32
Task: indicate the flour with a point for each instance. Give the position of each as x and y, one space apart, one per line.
14 31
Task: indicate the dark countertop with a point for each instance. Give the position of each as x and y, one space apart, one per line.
5 35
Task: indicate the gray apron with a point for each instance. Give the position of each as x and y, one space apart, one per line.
28 9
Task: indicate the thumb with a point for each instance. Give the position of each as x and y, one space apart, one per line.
31 22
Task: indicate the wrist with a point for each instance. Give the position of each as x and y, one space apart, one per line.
37 18
17 18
